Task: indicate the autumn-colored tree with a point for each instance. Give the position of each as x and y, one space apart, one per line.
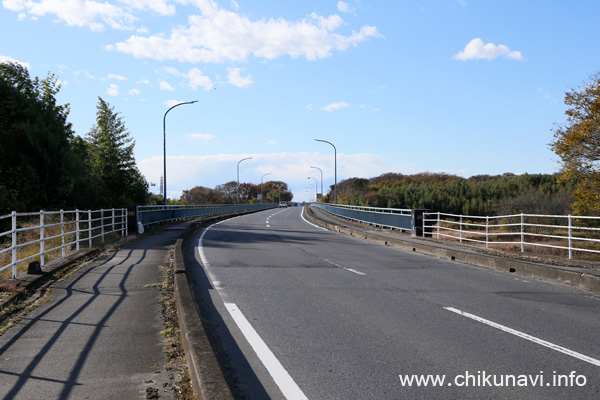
227 193
199 195
577 143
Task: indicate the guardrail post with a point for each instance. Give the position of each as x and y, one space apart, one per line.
42 235
14 243
77 236
487 231
522 233
62 233
570 238
123 221
438 225
102 224
90 231
460 229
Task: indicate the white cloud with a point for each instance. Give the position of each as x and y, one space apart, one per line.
344 7
217 35
272 142
546 95
6 59
161 7
237 80
198 79
336 106
203 137
95 15
166 86
91 14
134 92
114 76
113 90
309 106
89 76
476 49
172 71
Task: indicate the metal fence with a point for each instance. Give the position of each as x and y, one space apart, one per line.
50 233
395 218
564 233
148 215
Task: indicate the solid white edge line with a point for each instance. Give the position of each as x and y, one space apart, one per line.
310 223
286 384
284 381
534 339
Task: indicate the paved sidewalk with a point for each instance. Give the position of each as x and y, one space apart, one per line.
98 337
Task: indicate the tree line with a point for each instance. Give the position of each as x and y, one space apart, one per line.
44 165
227 193
478 195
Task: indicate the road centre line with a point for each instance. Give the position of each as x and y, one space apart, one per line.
282 378
533 339
342 267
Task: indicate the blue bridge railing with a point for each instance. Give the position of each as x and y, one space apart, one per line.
148 215
395 218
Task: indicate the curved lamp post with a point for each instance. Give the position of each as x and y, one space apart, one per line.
321 182
316 186
238 177
261 186
335 166
165 147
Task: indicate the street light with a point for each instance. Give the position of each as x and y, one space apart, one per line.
321 182
238 177
261 186
316 186
165 147
335 165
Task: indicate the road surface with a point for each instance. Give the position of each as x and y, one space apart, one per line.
299 312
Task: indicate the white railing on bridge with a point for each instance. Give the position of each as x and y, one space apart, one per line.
567 233
35 235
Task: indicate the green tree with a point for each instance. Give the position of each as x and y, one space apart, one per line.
577 143
118 182
39 168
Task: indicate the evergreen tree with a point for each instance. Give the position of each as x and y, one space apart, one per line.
118 181
37 164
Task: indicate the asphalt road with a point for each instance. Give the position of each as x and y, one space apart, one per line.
299 312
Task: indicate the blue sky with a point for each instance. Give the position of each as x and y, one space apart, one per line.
459 86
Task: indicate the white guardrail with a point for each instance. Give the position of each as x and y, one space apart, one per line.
568 233
35 235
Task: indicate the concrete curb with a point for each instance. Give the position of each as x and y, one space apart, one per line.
206 376
577 277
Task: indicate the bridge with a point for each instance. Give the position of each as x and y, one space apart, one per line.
303 304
